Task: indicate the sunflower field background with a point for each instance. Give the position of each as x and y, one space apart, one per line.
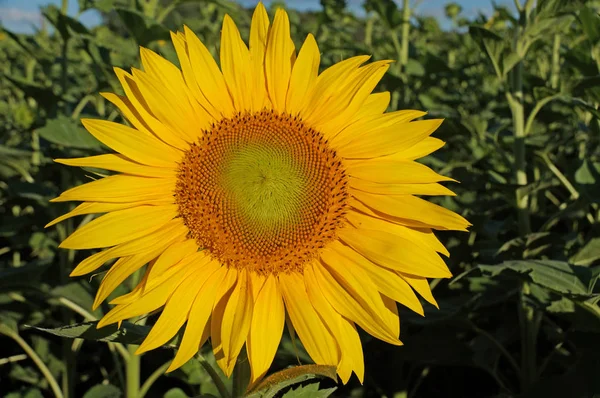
520 94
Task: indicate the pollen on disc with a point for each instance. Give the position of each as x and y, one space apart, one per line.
262 191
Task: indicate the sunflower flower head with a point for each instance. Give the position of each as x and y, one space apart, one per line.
257 188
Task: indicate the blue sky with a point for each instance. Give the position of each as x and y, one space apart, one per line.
24 15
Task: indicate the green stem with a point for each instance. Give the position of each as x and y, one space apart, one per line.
132 373
404 47
529 320
132 364
35 358
160 371
214 376
554 72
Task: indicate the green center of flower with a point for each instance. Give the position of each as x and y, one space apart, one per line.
266 185
262 192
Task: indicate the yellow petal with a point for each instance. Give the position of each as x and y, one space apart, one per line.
388 140
173 255
123 188
394 252
419 150
387 281
134 105
259 30
433 189
423 237
367 126
149 301
131 143
198 327
393 172
171 231
208 76
181 48
266 328
236 320
328 85
235 64
121 164
421 286
175 112
120 226
222 298
353 294
314 334
343 331
355 96
375 105
278 60
304 75
91 208
412 208
177 308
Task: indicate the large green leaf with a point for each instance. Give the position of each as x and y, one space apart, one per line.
557 276
128 333
68 132
276 382
309 391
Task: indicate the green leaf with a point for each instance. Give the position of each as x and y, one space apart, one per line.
143 29
492 44
309 391
103 391
590 22
588 253
64 24
176 393
128 333
273 384
557 276
17 277
67 132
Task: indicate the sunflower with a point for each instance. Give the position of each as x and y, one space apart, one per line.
262 189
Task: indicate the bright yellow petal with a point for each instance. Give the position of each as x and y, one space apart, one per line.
149 301
173 255
394 252
208 76
314 334
368 126
354 97
353 294
388 140
181 48
421 286
131 143
423 237
259 31
91 208
433 189
343 331
172 230
221 300
235 64
412 208
123 188
120 226
393 172
304 75
198 327
419 150
278 60
177 308
375 105
121 164
387 281
236 320
134 106
266 328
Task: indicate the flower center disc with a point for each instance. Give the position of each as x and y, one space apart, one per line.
262 191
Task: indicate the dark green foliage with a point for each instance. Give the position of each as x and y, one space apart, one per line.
520 319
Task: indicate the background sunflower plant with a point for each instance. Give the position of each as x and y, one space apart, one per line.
518 92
